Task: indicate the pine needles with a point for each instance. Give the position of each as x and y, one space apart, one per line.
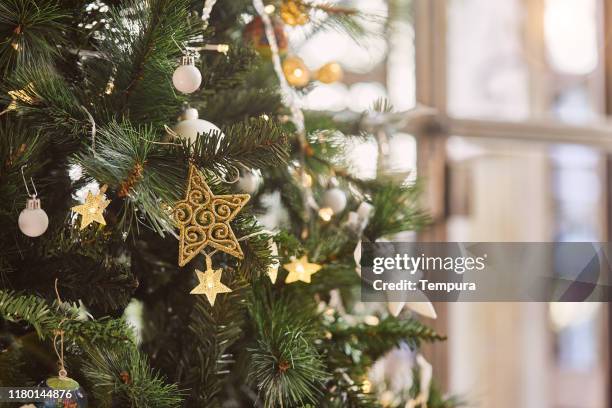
285 366
30 31
123 377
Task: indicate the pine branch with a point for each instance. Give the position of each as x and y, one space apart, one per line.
20 145
141 41
257 256
35 312
437 399
396 209
375 341
72 258
244 103
130 159
285 367
47 102
226 72
205 359
122 377
131 162
30 32
319 120
344 392
256 143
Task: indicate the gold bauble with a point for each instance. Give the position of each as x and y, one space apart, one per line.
294 13
296 72
330 73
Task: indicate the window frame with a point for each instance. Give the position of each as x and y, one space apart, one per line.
433 131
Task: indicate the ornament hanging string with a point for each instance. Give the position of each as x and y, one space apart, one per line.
59 333
231 171
208 260
25 183
93 129
170 132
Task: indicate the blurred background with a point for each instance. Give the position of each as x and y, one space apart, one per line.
509 133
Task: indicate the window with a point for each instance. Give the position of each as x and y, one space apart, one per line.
522 154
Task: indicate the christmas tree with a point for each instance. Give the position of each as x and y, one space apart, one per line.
135 266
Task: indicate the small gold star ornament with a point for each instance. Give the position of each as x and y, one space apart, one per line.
91 210
203 219
210 283
301 270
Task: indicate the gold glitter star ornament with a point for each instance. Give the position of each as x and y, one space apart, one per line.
203 219
93 207
210 283
301 270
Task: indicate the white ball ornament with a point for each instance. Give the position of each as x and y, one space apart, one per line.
249 182
190 114
33 220
365 211
191 126
335 199
187 78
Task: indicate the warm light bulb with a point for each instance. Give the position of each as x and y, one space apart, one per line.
299 268
366 386
296 71
371 320
330 73
109 88
223 48
326 214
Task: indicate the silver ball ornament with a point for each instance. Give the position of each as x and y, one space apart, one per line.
33 220
187 78
335 199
